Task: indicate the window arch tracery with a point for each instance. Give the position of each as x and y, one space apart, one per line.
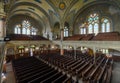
94 23
105 25
25 28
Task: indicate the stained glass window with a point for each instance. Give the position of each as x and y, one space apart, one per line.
17 29
65 32
90 30
105 25
93 23
25 28
83 31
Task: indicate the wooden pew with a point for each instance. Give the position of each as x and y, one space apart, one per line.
96 71
109 75
33 72
81 69
69 63
67 80
60 79
40 78
52 77
99 79
73 69
87 72
29 70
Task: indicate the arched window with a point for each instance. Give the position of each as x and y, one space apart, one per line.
93 23
83 31
26 28
28 31
33 31
17 29
105 25
90 28
65 32
96 28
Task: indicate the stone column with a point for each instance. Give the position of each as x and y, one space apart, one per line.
2 27
94 52
61 36
75 56
61 40
15 52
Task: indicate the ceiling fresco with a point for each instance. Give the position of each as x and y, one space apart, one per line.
47 11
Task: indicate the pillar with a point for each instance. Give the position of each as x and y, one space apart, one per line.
61 40
75 56
94 52
2 35
2 27
29 47
15 52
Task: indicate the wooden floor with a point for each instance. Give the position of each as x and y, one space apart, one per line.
115 73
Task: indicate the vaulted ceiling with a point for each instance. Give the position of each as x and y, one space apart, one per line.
47 12
50 10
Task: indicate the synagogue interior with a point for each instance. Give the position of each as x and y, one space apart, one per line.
59 41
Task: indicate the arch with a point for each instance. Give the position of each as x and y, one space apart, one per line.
26 28
39 24
85 10
34 14
30 4
93 23
30 14
66 29
17 29
57 25
106 24
114 3
56 30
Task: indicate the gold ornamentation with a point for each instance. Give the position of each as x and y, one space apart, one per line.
62 5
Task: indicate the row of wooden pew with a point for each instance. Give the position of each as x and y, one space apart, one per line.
107 36
32 70
25 37
83 67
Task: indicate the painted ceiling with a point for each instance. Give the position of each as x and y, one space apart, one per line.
47 11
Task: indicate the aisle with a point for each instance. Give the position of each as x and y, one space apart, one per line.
116 73
10 75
